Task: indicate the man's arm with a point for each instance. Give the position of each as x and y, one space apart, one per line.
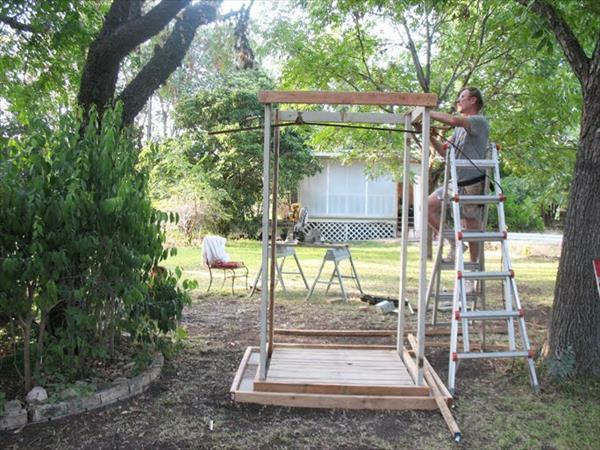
449 119
437 145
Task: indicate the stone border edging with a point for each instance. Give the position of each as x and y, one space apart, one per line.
15 418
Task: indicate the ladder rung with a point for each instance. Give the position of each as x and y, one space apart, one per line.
481 163
490 315
467 265
482 355
479 199
481 236
486 275
448 296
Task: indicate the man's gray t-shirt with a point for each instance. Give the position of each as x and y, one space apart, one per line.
473 144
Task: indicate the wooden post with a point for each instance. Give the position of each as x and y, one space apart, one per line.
272 274
262 368
420 351
404 240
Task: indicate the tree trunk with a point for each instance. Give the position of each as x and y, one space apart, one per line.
125 29
575 322
26 325
149 120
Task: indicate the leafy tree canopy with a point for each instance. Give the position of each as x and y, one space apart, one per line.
43 46
232 162
533 104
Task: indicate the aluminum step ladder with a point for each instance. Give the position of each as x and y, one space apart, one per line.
442 298
511 312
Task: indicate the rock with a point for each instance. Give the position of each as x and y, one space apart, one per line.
13 408
14 416
119 380
37 395
44 413
363 308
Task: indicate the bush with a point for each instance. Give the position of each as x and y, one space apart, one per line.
520 210
78 239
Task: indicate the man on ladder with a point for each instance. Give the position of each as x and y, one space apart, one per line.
468 166
471 140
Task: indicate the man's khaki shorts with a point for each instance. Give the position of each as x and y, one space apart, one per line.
467 211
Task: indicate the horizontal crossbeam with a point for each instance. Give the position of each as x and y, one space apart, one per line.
348 98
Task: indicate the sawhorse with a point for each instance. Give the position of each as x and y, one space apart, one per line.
282 252
336 255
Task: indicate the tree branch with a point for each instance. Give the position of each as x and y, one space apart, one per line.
16 25
165 59
429 36
363 58
415 57
565 37
134 32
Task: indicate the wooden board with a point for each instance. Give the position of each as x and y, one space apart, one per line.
348 98
392 389
345 367
338 346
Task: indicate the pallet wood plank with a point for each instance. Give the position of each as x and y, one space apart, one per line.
338 401
374 333
247 393
348 98
322 388
336 346
240 372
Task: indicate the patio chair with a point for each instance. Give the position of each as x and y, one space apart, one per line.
214 257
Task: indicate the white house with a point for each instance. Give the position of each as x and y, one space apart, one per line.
345 205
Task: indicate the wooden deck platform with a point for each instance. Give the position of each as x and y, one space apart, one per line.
325 377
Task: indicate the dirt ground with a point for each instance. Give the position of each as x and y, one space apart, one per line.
193 392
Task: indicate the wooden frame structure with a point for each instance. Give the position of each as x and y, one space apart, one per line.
341 376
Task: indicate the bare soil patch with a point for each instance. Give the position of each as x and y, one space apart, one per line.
193 393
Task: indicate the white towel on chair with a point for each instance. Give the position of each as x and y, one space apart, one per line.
213 249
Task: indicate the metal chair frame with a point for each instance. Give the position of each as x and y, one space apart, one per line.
228 272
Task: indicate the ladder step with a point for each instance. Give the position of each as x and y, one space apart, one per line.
487 275
489 315
479 199
481 163
482 236
449 296
482 355
467 265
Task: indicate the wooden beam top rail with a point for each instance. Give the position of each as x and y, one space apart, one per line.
348 98
341 117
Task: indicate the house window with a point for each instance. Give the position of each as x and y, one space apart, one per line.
344 192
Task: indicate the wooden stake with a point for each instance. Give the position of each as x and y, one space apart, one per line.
437 395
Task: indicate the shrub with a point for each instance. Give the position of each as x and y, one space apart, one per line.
520 209
78 238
